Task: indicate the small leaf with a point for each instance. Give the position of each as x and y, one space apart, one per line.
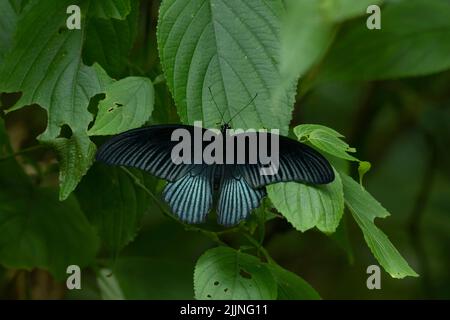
363 168
291 286
109 41
224 273
307 206
326 139
231 46
365 209
76 155
128 104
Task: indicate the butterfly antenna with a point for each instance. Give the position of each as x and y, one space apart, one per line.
215 103
245 107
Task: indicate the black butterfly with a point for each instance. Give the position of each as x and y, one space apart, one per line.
190 187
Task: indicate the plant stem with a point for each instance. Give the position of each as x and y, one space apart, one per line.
26 150
259 247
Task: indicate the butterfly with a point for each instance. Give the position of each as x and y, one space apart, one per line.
191 187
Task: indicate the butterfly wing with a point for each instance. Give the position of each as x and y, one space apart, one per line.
237 198
148 149
297 162
190 197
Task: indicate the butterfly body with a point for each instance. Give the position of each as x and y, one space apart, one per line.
192 185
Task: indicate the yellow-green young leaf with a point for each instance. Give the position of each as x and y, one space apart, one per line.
231 46
326 139
307 206
117 213
128 104
108 285
365 209
291 286
107 9
224 273
413 41
76 155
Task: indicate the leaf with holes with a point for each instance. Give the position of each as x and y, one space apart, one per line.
231 46
306 206
365 209
128 104
224 273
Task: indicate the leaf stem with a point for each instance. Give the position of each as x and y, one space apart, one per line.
259 247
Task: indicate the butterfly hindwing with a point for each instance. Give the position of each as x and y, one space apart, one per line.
237 198
148 149
190 197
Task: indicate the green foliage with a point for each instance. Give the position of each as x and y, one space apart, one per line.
230 46
105 79
306 207
365 209
127 105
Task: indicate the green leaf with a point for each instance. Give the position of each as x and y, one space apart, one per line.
8 24
340 10
291 286
410 43
76 155
45 64
326 139
128 104
106 9
109 286
224 273
365 209
118 212
231 46
109 41
306 34
306 206
52 235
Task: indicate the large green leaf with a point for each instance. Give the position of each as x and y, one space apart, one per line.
117 213
413 41
339 10
109 41
224 273
231 46
106 9
8 24
45 64
326 139
365 209
128 104
306 206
